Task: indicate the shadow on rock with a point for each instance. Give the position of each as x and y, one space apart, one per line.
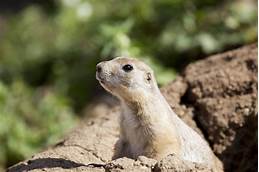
242 154
44 163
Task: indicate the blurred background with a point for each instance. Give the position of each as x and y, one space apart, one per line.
49 49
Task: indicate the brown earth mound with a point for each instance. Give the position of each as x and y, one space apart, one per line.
217 97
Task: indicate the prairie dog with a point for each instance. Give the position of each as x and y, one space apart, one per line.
148 125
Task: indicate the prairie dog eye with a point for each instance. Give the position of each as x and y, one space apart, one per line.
127 68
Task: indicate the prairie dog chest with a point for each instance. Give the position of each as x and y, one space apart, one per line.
133 131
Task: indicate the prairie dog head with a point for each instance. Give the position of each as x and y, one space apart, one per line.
126 78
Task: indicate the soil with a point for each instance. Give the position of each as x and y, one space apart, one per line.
216 96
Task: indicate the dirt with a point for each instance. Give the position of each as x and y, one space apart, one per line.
217 97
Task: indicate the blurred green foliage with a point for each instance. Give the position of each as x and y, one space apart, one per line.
30 120
58 49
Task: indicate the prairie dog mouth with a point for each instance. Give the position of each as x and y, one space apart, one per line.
102 81
99 78
104 84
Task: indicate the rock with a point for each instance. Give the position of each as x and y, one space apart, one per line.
222 89
126 164
173 164
216 96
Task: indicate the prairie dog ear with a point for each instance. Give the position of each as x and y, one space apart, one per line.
148 76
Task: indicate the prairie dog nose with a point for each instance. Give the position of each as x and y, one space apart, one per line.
99 67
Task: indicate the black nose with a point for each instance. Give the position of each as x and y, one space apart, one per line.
98 68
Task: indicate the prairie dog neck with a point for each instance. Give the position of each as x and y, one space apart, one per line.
148 108
145 104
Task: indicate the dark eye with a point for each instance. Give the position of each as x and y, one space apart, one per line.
127 68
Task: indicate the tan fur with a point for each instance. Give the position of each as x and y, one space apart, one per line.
148 126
